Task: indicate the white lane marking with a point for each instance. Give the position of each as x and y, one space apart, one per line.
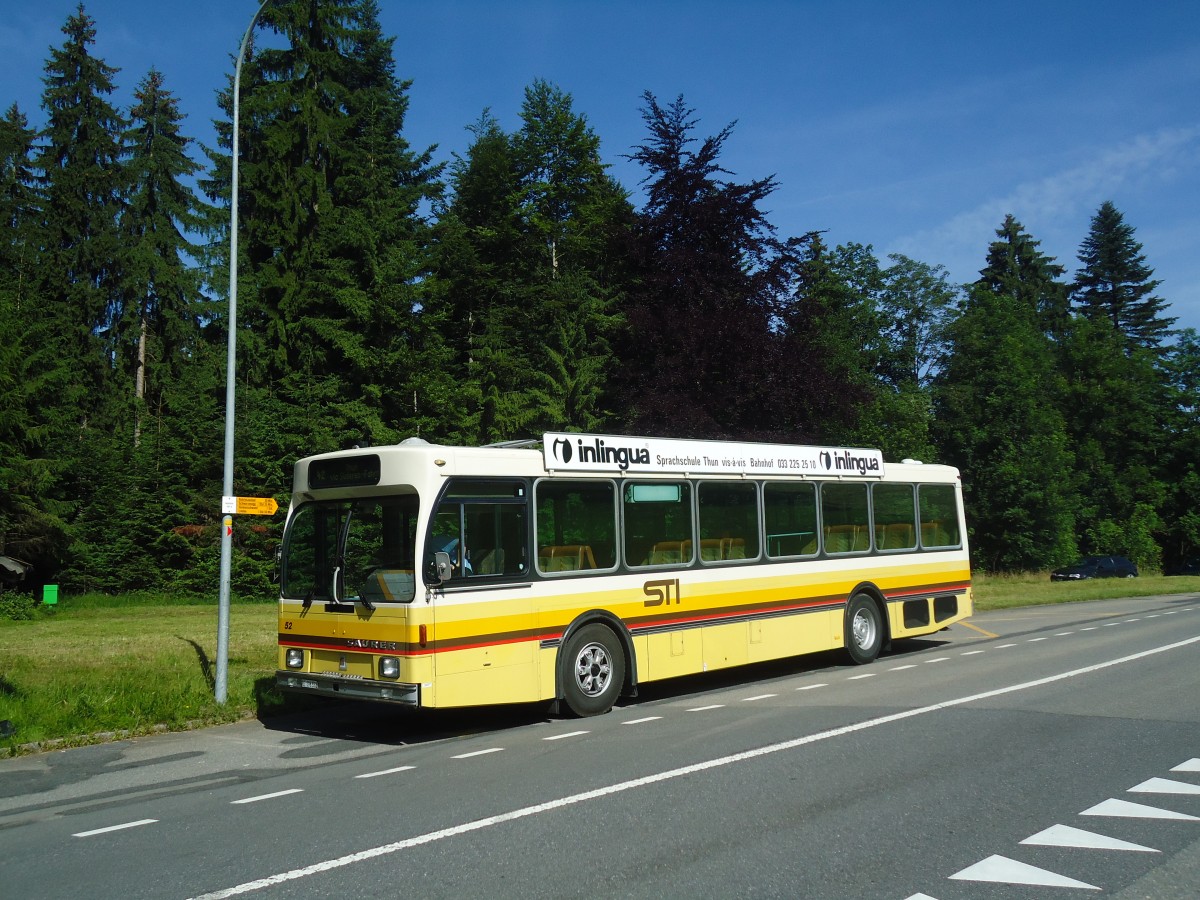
938 659
1192 765
565 734
1123 809
902 668
268 796
971 652
385 772
1066 836
812 687
1165 786
1134 620
858 677
1111 624
759 697
1005 646
479 753
1090 628
640 721
1063 633
1002 870
667 775
707 708
122 827
1152 616
1035 640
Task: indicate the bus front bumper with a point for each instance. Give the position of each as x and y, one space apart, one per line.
354 688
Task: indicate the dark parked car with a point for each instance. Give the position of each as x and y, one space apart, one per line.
1096 567
1187 567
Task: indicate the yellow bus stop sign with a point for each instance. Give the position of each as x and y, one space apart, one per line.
249 506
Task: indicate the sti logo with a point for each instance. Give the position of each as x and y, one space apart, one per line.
562 450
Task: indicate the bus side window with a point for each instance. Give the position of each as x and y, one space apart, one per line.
482 527
576 525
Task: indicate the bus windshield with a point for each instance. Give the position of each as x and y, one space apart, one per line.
351 551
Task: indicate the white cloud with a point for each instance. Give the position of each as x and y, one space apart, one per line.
1053 205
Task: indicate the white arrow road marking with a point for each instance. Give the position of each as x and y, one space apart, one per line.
1066 836
1192 765
1002 870
1165 786
1123 809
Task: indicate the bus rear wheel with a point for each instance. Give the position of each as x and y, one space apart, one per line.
593 670
863 629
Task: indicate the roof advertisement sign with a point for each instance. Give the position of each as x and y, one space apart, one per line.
633 455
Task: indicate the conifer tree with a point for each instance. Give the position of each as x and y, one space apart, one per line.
82 184
997 412
528 257
161 289
1115 283
333 239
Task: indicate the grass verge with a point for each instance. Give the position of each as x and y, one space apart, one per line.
93 669
98 668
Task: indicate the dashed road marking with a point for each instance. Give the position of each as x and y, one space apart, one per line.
385 772
110 828
706 708
565 734
759 697
640 721
479 753
268 796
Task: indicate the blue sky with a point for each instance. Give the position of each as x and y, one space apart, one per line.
914 127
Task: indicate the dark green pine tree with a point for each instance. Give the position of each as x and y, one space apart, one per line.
997 413
479 233
83 180
161 287
143 480
830 333
574 219
1182 509
1117 407
30 524
529 263
1018 269
75 327
1115 283
332 342
702 356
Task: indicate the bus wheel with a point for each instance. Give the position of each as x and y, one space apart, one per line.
594 670
864 629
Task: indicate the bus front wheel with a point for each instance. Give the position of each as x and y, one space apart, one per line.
594 670
864 629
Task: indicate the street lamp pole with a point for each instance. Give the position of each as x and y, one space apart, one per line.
222 674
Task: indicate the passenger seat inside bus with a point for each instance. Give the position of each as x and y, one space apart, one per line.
566 558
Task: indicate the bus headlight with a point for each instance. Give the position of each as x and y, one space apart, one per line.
294 658
389 667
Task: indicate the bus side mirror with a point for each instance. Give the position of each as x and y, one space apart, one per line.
442 566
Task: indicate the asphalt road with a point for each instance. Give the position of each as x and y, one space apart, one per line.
1043 752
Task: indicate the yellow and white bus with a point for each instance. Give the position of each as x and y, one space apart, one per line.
576 570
